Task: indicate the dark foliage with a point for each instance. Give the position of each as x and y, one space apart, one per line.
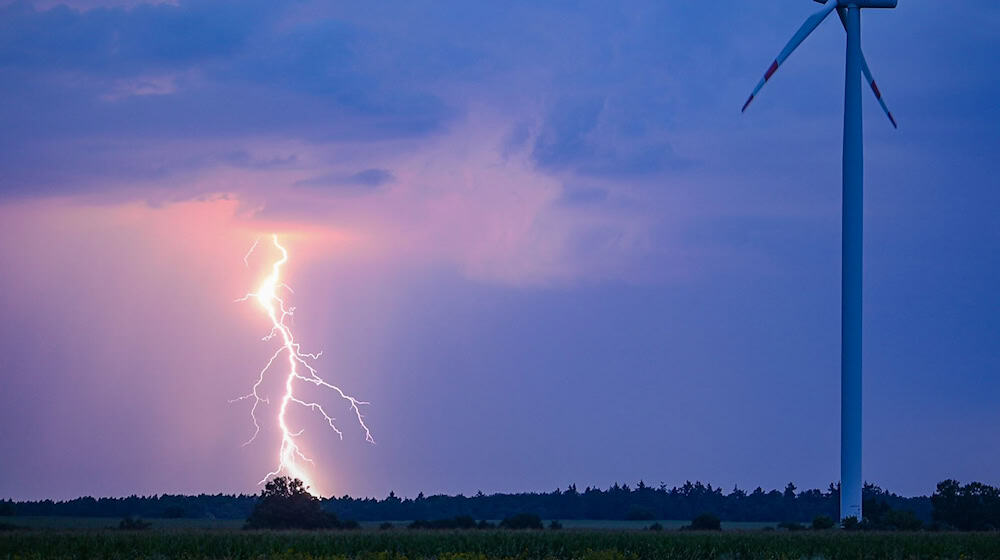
286 504
655 527
617 502
822 522
220 506
174 512
484 524
522 521
639 513
386 526
973 507
704 522
133 524
879 516
620 501
791 526
850 524
555 525
9 527
7 508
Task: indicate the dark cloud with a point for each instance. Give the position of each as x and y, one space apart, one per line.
367 179
589 137
122 41
243 159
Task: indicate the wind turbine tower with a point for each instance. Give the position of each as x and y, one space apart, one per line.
852 227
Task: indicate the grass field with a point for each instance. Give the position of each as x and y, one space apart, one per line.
584 544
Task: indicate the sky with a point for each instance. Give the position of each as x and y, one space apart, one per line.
539 237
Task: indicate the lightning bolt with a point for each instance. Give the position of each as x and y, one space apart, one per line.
300 369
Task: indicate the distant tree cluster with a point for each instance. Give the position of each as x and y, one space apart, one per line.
7 508
220 506
620 501
880 516
952 504
973 507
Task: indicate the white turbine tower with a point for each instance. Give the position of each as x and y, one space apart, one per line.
852 224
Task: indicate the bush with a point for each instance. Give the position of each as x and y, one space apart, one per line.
655 527
903 520
6 508
705 522
879 516
285 504
791 526
850 524
822 522
385 526
484 524
555 525
133 524
522 521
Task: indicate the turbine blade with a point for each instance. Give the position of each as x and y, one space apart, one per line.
868 74
811 24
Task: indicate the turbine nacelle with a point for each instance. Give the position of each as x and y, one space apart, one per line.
862 3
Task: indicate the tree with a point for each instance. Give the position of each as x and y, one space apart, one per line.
705 522
822 522
6 508
973 507
286 504
522 521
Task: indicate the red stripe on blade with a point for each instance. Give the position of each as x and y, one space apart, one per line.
770 71
878 93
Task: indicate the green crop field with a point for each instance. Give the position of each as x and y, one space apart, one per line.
402 544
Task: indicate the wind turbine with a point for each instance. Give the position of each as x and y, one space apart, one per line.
852 226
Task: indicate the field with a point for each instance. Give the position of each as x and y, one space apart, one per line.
584 544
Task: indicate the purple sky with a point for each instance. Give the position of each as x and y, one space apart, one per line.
539 238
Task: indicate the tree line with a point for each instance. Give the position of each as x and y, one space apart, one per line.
622 501
970 507
619 501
